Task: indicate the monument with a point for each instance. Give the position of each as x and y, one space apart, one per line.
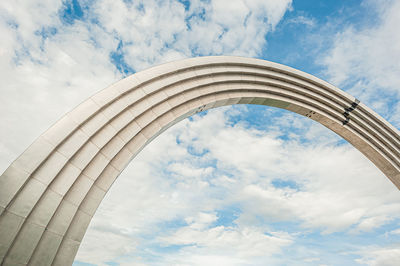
49 194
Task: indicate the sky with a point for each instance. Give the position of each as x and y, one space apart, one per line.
237 185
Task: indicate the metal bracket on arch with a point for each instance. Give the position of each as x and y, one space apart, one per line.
348 110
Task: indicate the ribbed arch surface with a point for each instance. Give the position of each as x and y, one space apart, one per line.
50 193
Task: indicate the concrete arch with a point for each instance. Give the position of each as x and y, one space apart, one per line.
50 193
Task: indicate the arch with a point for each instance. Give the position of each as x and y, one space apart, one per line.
49 194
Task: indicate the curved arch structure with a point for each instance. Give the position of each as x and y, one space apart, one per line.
50 193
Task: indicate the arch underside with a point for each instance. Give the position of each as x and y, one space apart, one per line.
50 193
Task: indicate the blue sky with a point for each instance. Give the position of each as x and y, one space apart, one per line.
239 185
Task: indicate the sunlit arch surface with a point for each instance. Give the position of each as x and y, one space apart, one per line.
50 193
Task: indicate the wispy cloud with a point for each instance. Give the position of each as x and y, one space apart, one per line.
301 19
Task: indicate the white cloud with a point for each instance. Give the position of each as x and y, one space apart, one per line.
366 60
368 224
43 77
375 256
308 21
49 66
332 195
396 232
241 244
206 28
111 243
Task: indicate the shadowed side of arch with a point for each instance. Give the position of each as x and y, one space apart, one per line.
50 193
